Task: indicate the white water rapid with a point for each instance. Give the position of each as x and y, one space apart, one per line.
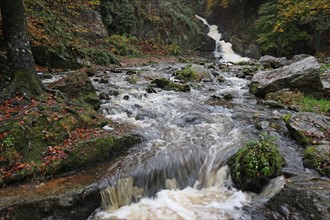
180 171
223 50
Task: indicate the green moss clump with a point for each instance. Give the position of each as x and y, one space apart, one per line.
255 163
317 157
188 74
169 85
253 88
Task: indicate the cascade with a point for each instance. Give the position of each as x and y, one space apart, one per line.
223 50
179 171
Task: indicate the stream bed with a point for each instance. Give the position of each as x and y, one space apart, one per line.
180 171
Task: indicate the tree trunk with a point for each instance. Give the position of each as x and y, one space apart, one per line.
24 79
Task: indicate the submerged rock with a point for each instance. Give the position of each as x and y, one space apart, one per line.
303 75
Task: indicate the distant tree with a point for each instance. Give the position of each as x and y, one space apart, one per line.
24 80
274 35
315 14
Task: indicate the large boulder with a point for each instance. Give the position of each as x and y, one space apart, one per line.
303 197
78 85
303 75
309 128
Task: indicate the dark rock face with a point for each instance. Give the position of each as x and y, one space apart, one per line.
78 85
274 62
302 198
309 128
67 59
76 204
91 25
300 75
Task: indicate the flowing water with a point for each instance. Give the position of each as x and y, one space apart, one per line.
180 171
223 50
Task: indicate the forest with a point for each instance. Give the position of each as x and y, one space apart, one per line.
164 109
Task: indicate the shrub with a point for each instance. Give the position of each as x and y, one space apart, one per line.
255 163
100 56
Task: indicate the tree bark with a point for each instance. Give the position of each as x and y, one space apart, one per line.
24 79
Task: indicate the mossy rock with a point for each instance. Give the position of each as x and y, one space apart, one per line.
169 85
308 128
188 73
26 135
318 158
256 163
97 150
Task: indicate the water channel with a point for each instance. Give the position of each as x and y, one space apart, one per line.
180 171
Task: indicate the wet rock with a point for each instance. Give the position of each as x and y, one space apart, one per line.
131 72
113 93
318 158
104 80
273 62
300 75
75 204
272 104
169 85
149 89
262 125
192 73
302 198
309 128
221 79
299 57
161 83
255 164
78 85
104 96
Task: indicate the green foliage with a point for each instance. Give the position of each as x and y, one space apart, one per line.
174 49
273 34
317 158
100 56
124 45
324 68
8 151
188 74
311 104
257 160
170 22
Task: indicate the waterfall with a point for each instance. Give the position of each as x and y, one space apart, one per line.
223 50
